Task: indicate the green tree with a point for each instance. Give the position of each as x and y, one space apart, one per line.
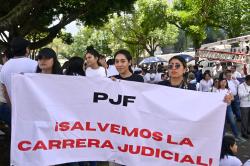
146 28
35 17
233 16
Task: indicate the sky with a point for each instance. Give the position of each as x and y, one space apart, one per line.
72 28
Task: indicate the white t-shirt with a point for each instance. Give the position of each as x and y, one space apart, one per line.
230 161
247 163
206 86
236 74
244 94
99 72
225 92
150 78
16 66
111 71
233 86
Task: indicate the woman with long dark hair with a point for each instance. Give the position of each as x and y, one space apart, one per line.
123 62
94 68
223 88
48 62
177 68
75 67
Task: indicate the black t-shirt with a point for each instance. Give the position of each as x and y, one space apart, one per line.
181 86
133 77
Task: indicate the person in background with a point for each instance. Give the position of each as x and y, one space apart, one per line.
228 151
235 73
192 80
206 83
217 70
48 62
223 88
5 114
215 85
150 76
20 63
123 60
197 73
94 68
177 67
103 63
244 95
111 71
75 67
65 66
160 71
233 84
247 163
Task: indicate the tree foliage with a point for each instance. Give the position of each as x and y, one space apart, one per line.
146 27
35 17
233 16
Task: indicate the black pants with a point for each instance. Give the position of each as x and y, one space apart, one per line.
245 120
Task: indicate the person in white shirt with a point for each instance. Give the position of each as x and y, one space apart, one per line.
111 71
244 94
150 76
206 83
235 73
217 70
247 163
94 69
223 88
20 63
233 84
228 151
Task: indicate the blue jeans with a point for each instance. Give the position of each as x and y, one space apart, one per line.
231 120
236 107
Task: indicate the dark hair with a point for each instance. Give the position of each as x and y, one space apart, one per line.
204 75
228 71
128 56
18 46
56 68
182 60
233 67
75 66
247 78
111 62
215 80
227 142
220 82
92 51
6 54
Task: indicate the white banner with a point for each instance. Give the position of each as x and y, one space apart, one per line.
59 119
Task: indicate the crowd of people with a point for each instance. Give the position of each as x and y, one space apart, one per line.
222 79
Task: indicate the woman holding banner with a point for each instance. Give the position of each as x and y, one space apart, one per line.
123 62
177 68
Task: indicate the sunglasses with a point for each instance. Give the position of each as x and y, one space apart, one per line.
171 66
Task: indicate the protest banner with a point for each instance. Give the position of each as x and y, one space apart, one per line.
59 119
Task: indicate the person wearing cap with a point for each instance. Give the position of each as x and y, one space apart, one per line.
244 94
48 62
20 63
217 70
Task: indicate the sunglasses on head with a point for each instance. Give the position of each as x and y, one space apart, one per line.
171 66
